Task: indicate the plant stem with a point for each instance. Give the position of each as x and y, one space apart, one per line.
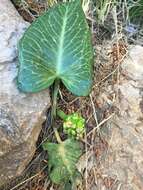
54 101
54 109
61 114
59 140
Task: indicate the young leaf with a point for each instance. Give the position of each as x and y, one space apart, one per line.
62 160
74 126
57 45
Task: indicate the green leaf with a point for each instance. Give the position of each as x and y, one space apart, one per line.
67 186
74 126
62 160
136 11
57 45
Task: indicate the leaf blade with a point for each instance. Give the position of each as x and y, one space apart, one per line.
57 45
62 159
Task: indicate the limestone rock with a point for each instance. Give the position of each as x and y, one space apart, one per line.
21 115
124 160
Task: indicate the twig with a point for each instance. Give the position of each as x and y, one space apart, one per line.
101 123
86 160
18 185
94 110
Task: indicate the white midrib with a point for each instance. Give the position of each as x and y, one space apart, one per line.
61 43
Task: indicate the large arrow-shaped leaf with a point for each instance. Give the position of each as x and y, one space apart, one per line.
57 46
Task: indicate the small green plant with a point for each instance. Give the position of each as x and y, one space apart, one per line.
74 125
57 48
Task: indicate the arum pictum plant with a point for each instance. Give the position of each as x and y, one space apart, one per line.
57 48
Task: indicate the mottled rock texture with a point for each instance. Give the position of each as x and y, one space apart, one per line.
21 115
124 158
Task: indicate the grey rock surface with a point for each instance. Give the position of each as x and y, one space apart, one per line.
124 159
116 160
21 115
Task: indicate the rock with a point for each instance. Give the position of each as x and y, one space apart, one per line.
21 115
124 159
